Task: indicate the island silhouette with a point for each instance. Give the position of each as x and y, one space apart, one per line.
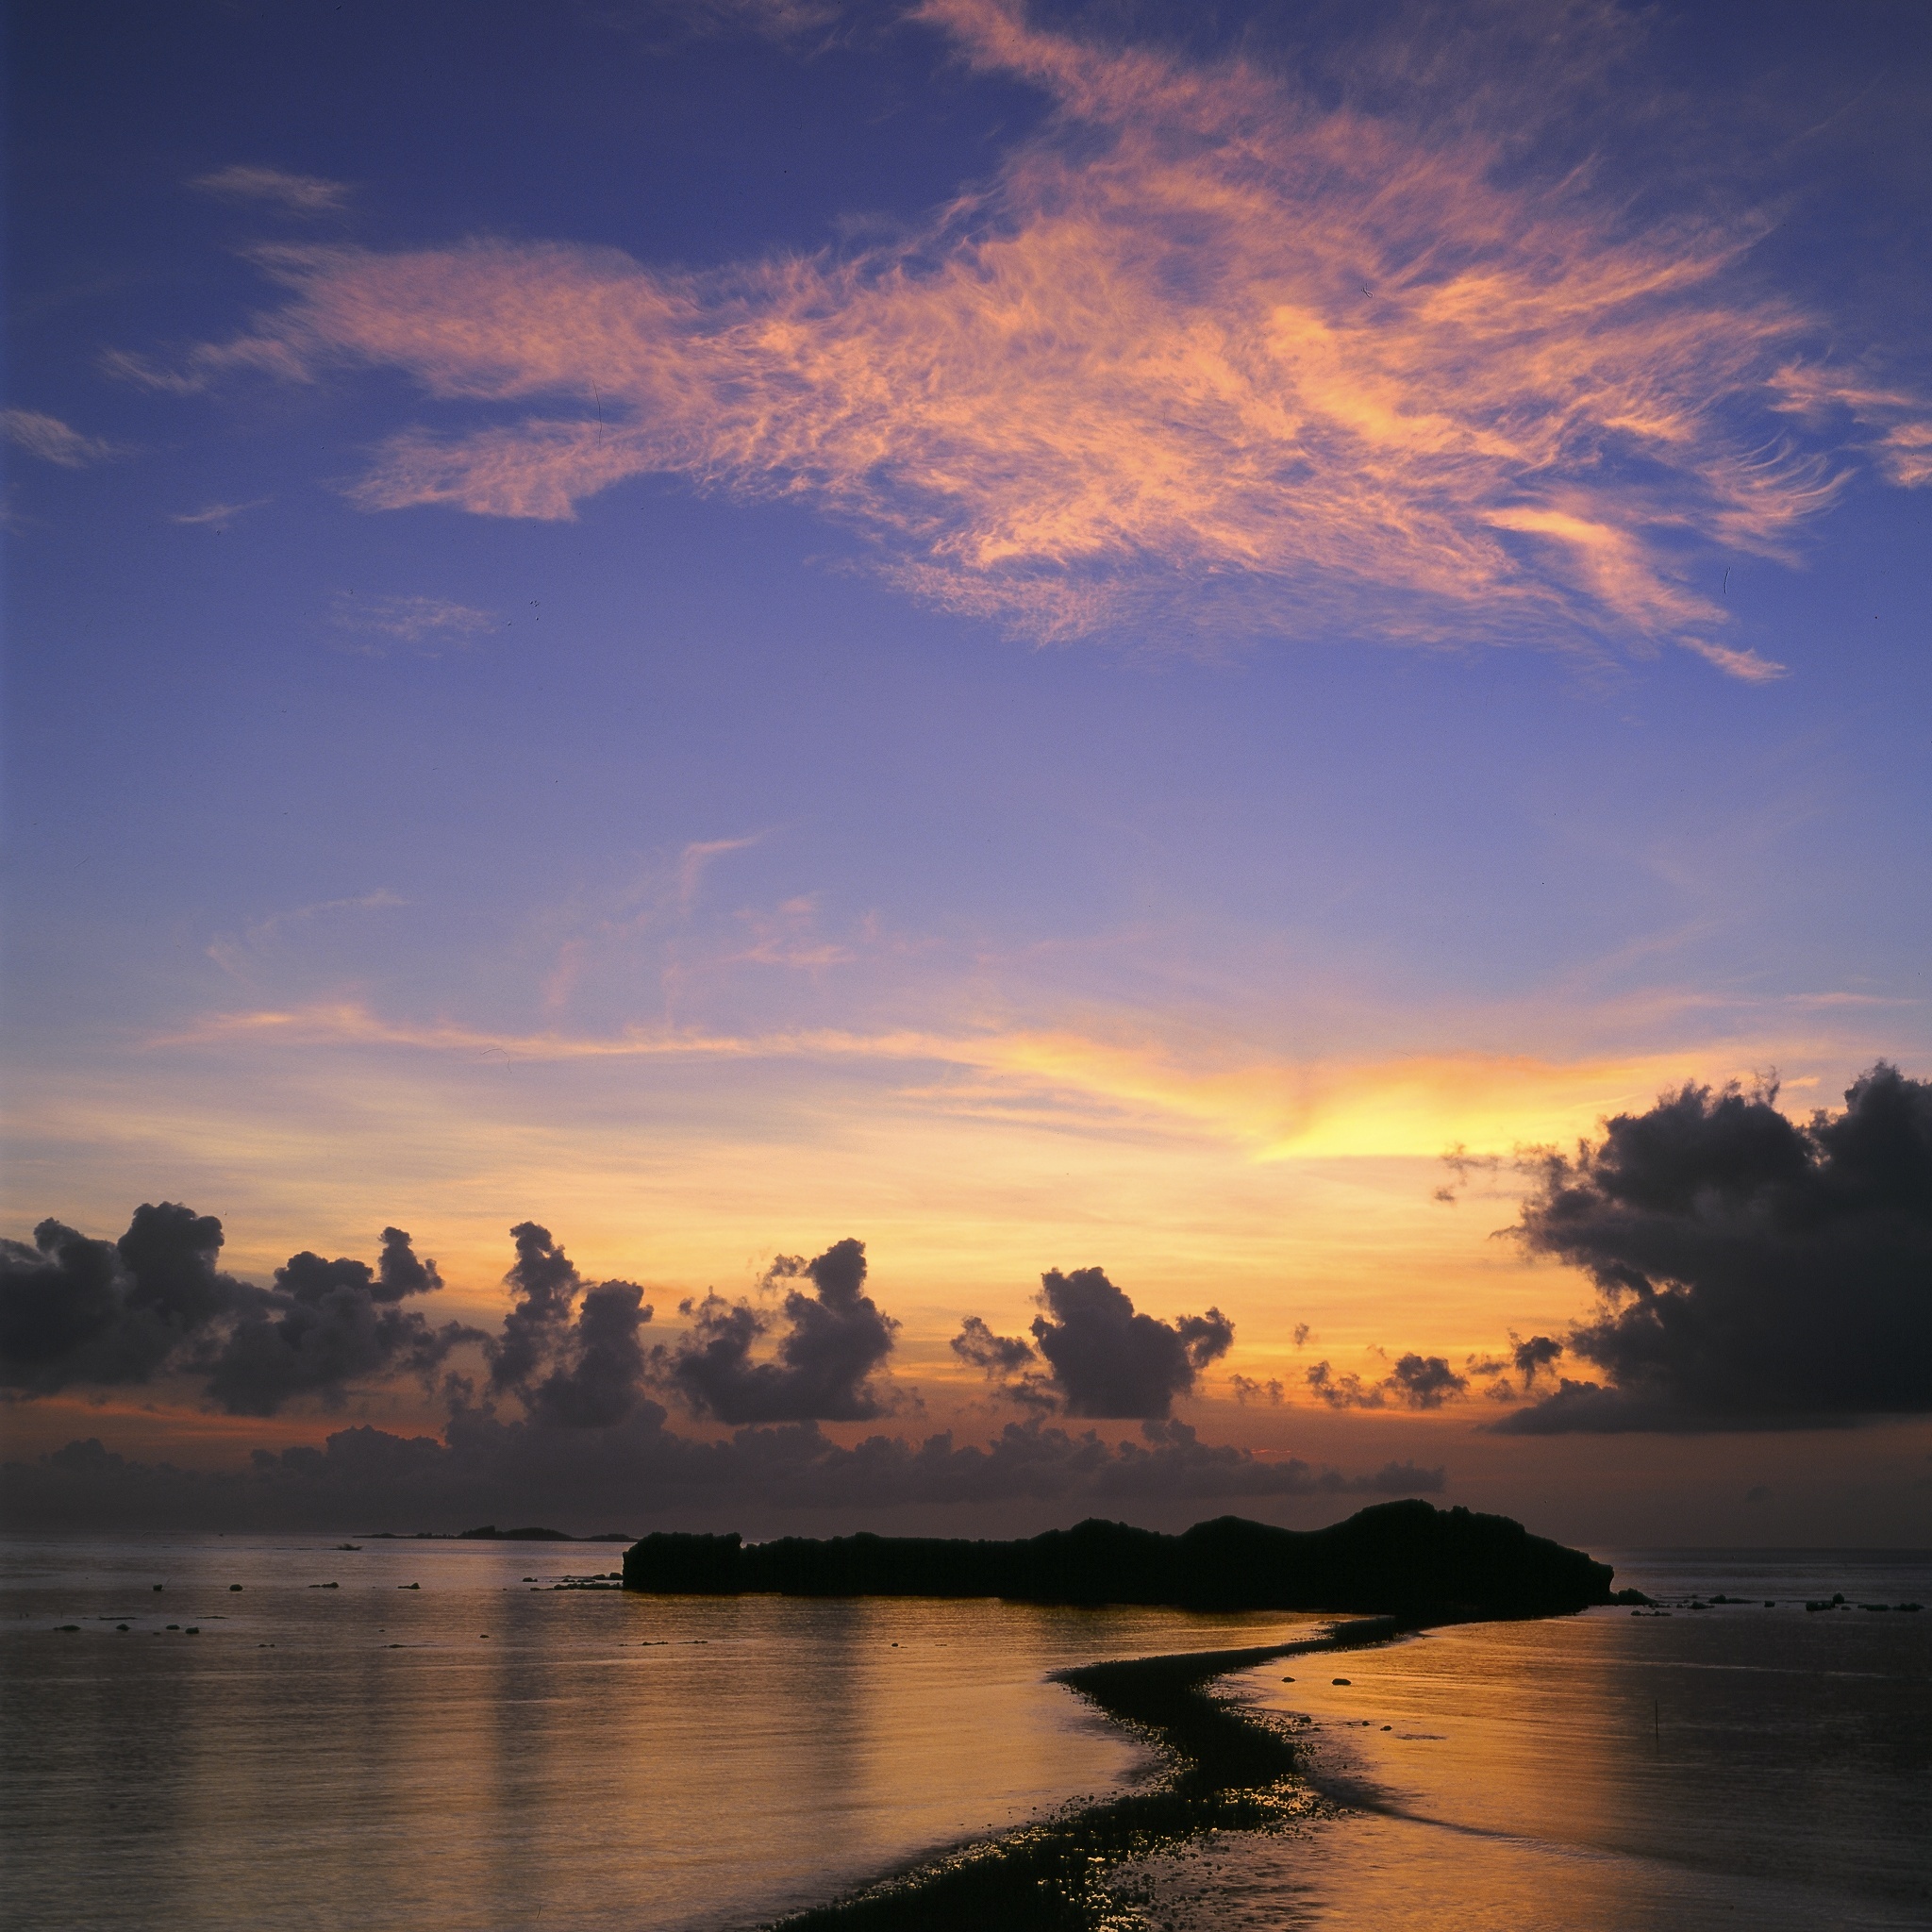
1407 1560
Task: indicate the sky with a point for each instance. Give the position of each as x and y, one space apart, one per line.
1158 759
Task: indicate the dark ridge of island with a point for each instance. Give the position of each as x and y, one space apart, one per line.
1406 1559
491 1534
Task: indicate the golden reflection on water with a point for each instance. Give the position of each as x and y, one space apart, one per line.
369 1756
1598 1774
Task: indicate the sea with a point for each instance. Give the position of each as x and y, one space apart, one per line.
282 1732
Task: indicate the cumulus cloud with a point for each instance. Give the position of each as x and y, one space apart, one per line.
75 1311
55 441
1754 1271
1000 1358
835 1340
1426 1381
1101 1358
1529 1359
1211 342
570 1351
79 1312
326 1326
584 1439
1246 1389
1343 1392
1416 1381
1533 1356
641 1474
302 194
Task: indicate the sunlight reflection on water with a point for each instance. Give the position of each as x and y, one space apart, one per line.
480 1754
1726 1766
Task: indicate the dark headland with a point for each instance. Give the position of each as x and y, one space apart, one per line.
1409 1561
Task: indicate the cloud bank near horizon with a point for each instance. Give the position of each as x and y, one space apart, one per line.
1755 1273
641 1474
1203 349
564 1421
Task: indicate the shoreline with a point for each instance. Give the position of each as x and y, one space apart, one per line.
1225 1770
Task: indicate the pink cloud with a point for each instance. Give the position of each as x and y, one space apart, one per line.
1203 351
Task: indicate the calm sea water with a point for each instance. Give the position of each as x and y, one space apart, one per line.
482 1752
1731 1766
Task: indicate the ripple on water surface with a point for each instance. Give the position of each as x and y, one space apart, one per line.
1730 1765
440 1743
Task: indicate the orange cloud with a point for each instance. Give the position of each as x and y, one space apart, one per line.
1400 1106
1202 348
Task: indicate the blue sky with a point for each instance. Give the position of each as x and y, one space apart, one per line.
725 626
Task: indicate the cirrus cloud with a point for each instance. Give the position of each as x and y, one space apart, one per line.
55 441
426 622
1204 347
302 194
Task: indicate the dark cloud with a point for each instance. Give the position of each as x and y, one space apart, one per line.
546 1286
1103 1359
75 1311
641 1474
1529 1359
398 1271
997 1355
590 1447
1247 1389
326 1326
1589 1407
1534 1355
1344 1391
1009 1362
78 1311
1425 1381
1416 1381
1755 1272
569 1352
835 1340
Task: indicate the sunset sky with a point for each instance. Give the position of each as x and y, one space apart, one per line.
1048 636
